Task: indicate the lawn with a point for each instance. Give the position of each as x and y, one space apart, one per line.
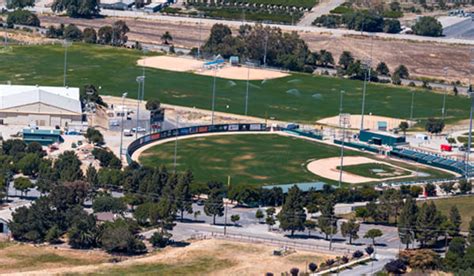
299 97
251 159
465 206
375 170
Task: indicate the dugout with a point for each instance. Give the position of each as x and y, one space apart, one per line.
381 138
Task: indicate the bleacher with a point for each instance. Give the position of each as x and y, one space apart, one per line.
433 159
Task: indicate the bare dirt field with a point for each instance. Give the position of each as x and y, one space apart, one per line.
422 59
183 64
206 257
327 168
370 121
171 63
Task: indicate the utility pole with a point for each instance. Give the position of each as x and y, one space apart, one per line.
330 239
124 95
343 124
225 207
468 152
213 95
176 140
247 92
265 52
443 110
367 76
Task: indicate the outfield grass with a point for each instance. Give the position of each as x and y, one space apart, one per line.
367 170
251 159
465 205
299 97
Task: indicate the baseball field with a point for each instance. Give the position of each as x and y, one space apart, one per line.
259 159
299 97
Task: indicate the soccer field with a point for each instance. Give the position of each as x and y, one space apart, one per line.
253 159
298 97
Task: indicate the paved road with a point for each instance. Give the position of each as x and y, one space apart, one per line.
324 7
371 267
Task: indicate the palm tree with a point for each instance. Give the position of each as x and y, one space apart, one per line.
166 38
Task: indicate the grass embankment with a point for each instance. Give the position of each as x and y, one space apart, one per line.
299 97
465 205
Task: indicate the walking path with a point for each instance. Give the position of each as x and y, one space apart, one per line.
322 8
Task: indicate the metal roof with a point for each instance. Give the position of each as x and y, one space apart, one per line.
66 98
304 187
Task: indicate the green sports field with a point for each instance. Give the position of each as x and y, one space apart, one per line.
299 97
251 158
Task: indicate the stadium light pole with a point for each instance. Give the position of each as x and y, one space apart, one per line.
343 137
65 44
213 96
412 103
443 110
363 97
176 140
247 92
124 95
467 171
225 210
140 81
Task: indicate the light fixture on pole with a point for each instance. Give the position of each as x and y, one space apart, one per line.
247 90
66 44
141 83
443 109
342 120
213 95
124 95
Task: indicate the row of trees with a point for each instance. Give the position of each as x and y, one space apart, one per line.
115 35
359 21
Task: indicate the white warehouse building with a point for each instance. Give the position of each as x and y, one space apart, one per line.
40 105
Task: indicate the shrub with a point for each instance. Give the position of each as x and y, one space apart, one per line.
396 267
344 260
294 271
312 267
160 240
330 262
357 254
369 250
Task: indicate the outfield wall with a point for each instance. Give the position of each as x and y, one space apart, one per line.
185 131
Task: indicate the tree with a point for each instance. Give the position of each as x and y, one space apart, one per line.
22 17
119 33
396 267
166 38
23 184
259 215
20 4
160 240
107 203
465 186
68 166
407 221
214 205
391 26
312 267
30 164
362 213
92 176
427 224
77 8
196 214
105 35
401 71
447 187
119 237
403 127
325 58
373 234
73 33
455 221
153 104
89 35
428 26
235 219
430 189
310 225
382 69
292 215
53 236
434 126
327 222
470 235
94 136
455 253
345 59
350 229
421 259
183 194
35 147
84 233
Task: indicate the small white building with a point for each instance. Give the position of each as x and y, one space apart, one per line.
40 105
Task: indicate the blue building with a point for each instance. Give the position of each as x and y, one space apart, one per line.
381 138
